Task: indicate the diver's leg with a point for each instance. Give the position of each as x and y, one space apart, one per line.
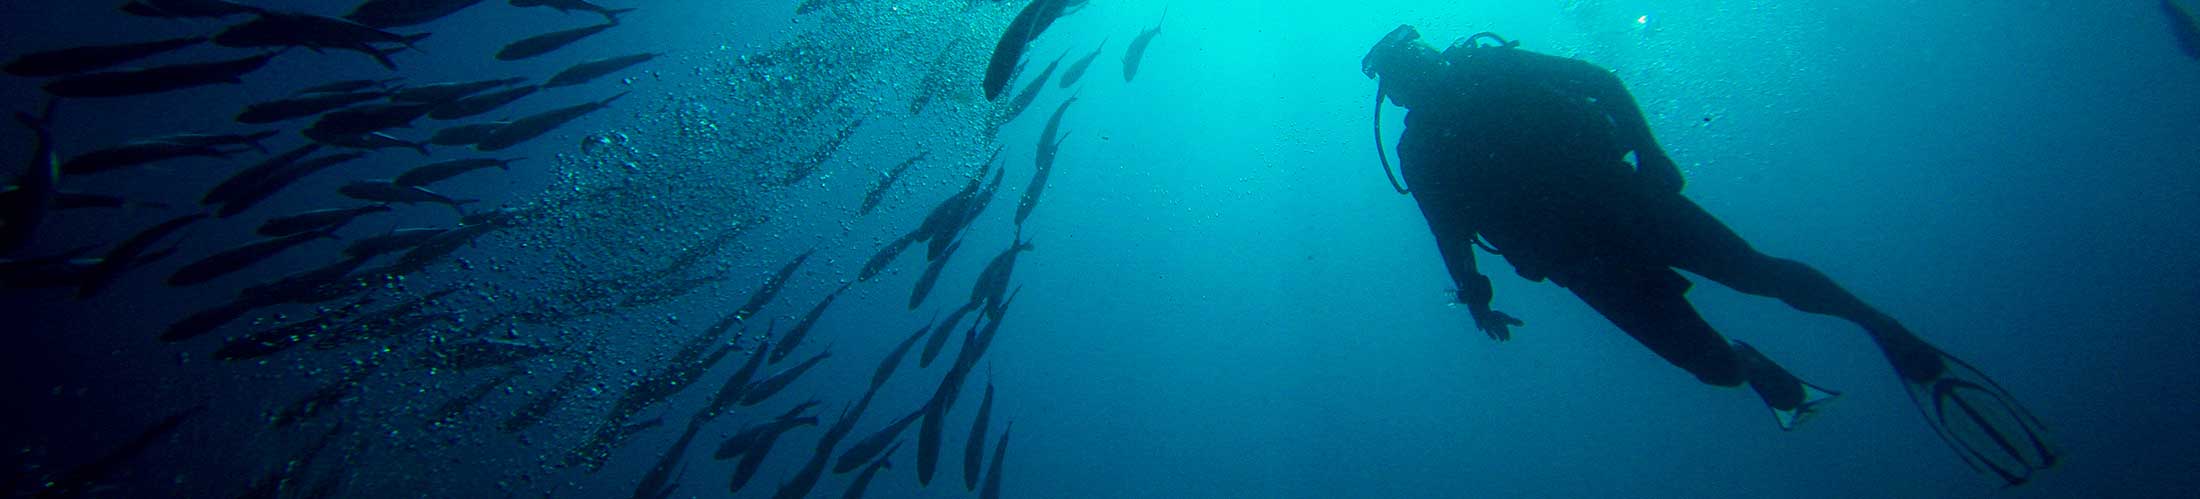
1650 305
1685 236
1985 425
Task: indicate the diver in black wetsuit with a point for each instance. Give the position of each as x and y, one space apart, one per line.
1530 155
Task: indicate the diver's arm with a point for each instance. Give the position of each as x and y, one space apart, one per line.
1651 163
1455 242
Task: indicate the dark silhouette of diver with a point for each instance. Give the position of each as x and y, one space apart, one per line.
1528 156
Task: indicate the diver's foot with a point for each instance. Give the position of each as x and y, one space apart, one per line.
1815 399
1791 399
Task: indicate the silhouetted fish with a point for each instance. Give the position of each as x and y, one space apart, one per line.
992 488
1030 94
328 219
304 105
301 285
609 14
251 177
940 333
878 190
765 388
801 329
65 200
341 86
1028 24
892 361
237 258
884 257
95 57
862 481
465 135
547 42
130 252
368 141
274 182
368 119
400 13
763 295
974 448
438 171
737 385
1076 70
184 9
589 71
1137 51
1043 161
875 444
445 92
137 153
156 79
476 105
993 281
293 29
384 191
525 129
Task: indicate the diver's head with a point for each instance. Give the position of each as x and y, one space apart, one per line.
1403 63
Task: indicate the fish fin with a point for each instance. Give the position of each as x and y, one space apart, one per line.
419 146
380 57
409 40
459 205
255 138
613 14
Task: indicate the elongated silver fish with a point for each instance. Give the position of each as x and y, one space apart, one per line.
91 58
1137 52
476 105
547 42
238 258
591 70
156 79
525 129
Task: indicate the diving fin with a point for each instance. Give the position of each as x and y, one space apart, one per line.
1815 399
1975 416
1791 399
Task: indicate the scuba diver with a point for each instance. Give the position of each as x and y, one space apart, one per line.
1528 156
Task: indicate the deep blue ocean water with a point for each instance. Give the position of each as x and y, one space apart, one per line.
1224 300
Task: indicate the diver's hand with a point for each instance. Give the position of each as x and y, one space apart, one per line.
1497 324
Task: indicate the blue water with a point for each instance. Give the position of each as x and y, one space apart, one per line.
1224 299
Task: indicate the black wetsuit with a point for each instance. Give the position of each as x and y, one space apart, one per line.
1531 152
